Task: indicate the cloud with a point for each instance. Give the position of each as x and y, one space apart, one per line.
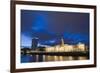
50 25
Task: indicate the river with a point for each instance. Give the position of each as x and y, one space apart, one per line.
48 58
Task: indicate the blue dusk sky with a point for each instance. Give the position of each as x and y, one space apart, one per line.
51 26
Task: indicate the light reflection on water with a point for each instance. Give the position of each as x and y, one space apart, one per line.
63 58
47 58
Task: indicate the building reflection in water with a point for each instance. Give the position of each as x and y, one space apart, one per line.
46 58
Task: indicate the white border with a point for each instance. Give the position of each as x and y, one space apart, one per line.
53 64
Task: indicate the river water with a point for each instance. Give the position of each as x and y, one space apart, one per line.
48 58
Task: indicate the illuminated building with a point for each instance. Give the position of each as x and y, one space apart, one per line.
62 47
81 46
66 47
62 42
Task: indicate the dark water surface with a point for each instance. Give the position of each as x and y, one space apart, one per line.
47 58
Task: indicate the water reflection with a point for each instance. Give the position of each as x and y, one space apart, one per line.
63 58
47 58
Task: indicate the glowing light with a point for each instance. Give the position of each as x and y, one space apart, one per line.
66 47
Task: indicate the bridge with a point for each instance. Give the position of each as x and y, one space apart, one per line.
73 53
